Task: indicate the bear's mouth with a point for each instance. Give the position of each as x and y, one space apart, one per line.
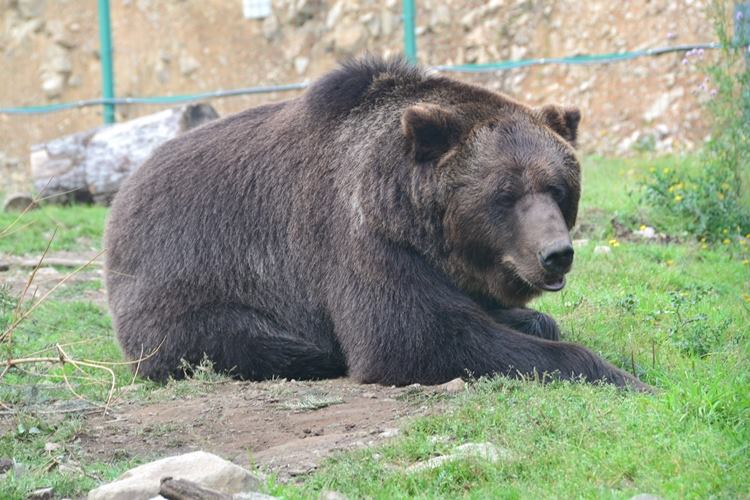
553 284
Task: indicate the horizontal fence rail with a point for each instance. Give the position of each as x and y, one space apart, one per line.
465 68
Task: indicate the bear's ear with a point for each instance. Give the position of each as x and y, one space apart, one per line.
430 130
564 121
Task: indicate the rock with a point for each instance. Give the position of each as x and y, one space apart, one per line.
204 469
334 15
517 52
662 103
331 495
30 8
454 386
300 64
18 202
602 250
482 451
57 60
297 42
60 34
349 39
53 84
253 495
647 232
388 22
271 28
389 433
188 64
41 494
628 142
6 464
440 16
372 23
18 34
304 10
50 447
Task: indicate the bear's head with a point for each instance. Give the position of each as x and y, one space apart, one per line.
508 185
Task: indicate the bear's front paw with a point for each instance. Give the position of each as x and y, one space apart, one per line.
528 321
543 326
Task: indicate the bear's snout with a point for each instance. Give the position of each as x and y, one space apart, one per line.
557 257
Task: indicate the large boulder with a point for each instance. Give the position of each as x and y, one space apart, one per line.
200 467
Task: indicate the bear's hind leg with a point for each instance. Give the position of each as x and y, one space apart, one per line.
236 339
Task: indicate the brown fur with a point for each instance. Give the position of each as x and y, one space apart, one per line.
387 224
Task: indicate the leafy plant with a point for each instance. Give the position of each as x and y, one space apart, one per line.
713 203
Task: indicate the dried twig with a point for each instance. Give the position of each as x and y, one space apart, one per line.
17 311
26 314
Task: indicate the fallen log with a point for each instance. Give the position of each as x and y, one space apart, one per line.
91 165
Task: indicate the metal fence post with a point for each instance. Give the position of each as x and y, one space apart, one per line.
410 39
105 50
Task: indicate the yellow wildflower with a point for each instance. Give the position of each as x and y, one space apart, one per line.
746 262
725 186
614 243
669 262
747 236
743 242
666 171
643 227
725 231
677 198
652 169
746 297
726 241
704 246
720 196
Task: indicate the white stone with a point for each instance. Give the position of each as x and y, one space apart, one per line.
301 64
602 250
188 64
203 468
57 60
482 451
334 14
53 84
647 232
661 104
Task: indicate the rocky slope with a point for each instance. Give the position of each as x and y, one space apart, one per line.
50 54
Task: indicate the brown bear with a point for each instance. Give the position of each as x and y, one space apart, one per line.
389 224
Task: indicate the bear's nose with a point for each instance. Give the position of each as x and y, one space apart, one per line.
557 257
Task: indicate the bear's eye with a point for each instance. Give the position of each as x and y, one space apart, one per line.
557 193
505 199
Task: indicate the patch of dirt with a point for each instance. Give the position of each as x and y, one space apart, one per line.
287 427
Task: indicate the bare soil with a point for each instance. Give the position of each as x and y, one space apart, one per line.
286 427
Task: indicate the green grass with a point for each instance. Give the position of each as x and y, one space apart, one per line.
678 314
79 228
